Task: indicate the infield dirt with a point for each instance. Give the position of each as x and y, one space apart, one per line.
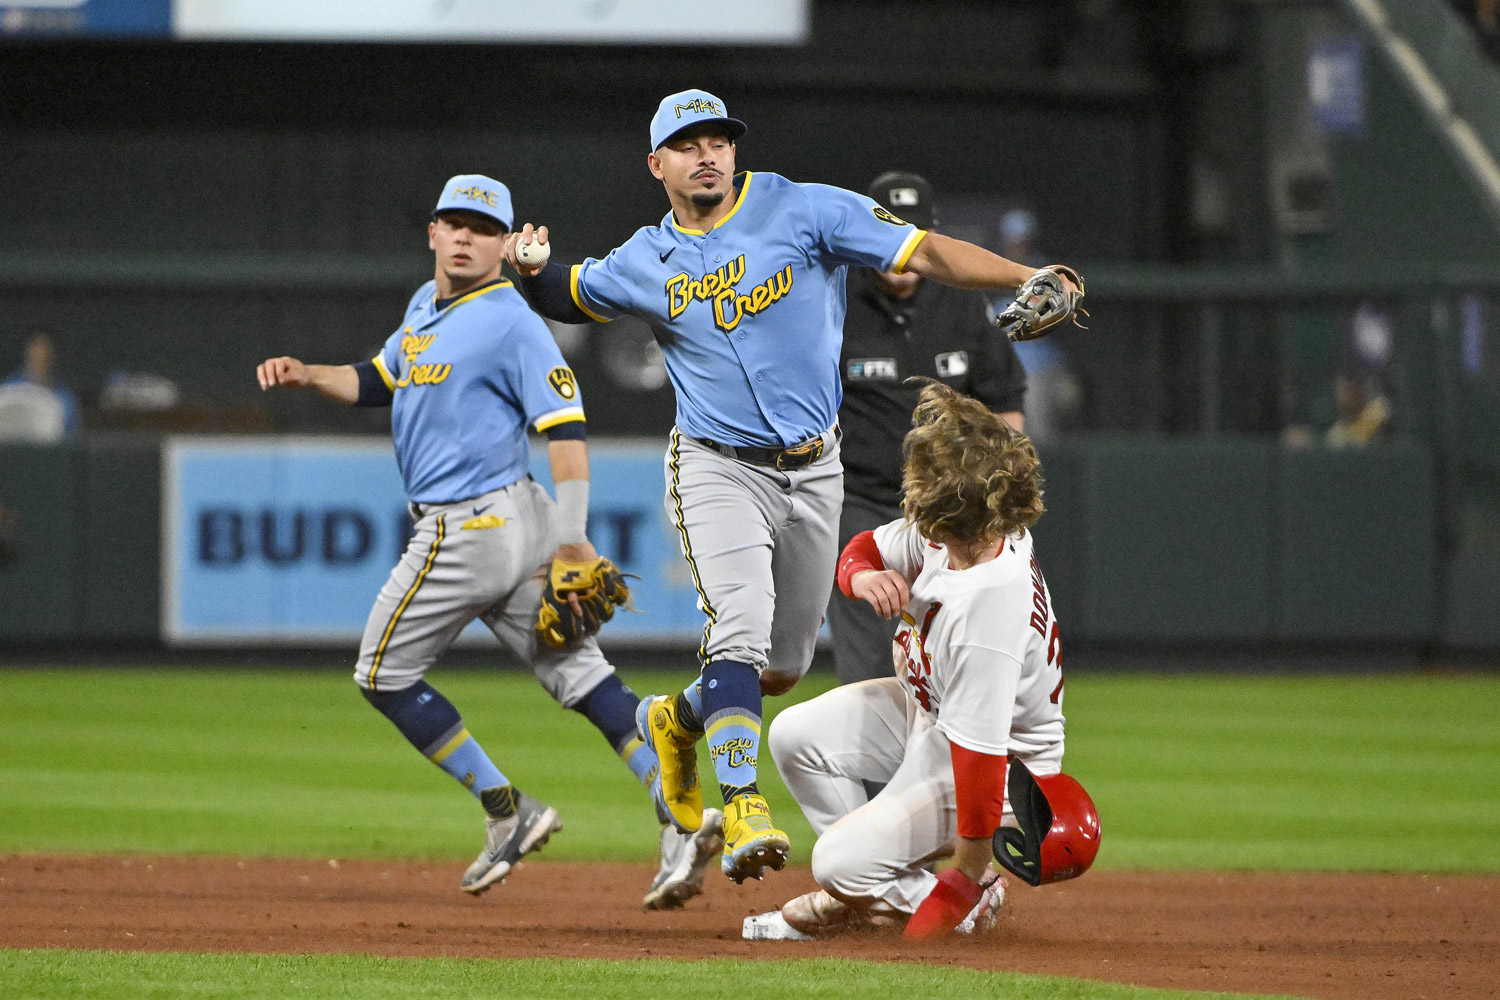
1376 937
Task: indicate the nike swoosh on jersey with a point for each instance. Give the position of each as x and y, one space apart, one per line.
669 253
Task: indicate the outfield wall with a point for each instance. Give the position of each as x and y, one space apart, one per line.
229 540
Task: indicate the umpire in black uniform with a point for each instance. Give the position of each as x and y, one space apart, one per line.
898 326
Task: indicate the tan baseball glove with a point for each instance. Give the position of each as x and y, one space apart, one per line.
599 588
1043 301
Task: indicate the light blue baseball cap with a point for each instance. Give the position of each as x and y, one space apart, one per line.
688 108
477 193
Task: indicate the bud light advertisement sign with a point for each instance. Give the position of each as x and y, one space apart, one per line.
288 540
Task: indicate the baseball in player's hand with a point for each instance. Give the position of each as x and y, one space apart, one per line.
885 590
287 372
536 239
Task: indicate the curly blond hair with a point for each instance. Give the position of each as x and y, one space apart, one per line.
968 477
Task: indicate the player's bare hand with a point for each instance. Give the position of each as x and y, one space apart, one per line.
885 590
288 372
582 553
526 235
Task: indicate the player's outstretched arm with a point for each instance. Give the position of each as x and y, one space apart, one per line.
964 265
339 382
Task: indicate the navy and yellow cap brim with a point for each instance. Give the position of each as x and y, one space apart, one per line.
732 127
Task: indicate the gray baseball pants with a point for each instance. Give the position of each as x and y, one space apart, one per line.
762 545
480 558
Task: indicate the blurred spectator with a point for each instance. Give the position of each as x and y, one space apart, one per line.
33 405
1053 395
1363 396
1362 387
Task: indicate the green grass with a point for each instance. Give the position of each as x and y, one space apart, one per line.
1347 773
1350 773
81 975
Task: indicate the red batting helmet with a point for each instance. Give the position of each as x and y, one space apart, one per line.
1058 836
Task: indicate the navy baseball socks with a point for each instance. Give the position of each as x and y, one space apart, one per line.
432 725
611 707
515 824
730 709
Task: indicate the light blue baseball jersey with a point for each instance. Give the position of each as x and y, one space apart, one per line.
750 316
468 380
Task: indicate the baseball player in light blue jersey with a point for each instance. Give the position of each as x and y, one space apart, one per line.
743 284
467 372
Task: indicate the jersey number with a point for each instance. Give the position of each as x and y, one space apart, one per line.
1054 658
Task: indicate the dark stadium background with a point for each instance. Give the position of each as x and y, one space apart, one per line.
190 208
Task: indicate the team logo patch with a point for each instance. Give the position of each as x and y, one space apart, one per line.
952 364
883 369
562 382
885 216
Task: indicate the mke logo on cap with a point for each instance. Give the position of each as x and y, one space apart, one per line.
478 194
701 106
905 197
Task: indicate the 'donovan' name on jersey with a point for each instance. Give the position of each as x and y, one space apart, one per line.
718 286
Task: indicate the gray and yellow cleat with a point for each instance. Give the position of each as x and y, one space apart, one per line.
676 790
683 858
751 843
507 839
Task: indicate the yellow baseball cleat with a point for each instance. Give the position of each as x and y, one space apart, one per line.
751 843
676 789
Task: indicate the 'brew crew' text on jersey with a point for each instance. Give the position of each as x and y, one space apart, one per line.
463 376
979 648
731 306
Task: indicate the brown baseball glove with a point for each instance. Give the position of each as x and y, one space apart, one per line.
1043 301
599 588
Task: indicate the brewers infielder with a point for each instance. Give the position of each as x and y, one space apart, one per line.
742 283
469 369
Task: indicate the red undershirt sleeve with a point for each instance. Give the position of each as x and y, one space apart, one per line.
979 779
860 554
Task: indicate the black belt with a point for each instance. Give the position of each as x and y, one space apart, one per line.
796 456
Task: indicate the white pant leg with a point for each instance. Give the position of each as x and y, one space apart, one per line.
827 748
877 851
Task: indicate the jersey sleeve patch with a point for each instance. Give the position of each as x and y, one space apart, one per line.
563 383
559 416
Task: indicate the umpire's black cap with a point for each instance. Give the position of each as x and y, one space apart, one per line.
908 197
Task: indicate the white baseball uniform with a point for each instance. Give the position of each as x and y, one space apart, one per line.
978 663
